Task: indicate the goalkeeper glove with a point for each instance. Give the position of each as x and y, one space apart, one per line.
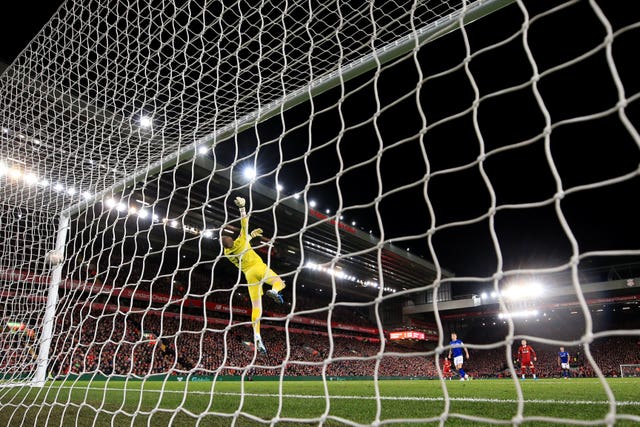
256 233
240 203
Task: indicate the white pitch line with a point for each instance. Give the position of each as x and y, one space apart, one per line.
439 399
390 398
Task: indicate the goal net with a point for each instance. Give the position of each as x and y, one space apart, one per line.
204 203
627 371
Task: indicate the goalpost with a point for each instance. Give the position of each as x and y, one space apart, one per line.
629 371
353 130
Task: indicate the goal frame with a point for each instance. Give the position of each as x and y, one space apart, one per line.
622 365
468 13
49 319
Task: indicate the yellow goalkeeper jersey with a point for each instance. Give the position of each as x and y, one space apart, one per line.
241 254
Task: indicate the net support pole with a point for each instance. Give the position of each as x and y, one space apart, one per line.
50 311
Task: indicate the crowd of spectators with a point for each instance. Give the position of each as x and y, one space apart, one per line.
119 344
143 344
175 339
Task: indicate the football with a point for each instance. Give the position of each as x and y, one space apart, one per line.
53 257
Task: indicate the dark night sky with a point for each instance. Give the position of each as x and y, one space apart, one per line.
583 153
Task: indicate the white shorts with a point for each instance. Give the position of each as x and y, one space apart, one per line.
458 360
565 365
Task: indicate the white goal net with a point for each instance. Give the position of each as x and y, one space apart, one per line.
384 172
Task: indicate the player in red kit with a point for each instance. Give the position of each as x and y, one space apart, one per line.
526 357
446 368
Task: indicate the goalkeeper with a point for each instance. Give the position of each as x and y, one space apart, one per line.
256 272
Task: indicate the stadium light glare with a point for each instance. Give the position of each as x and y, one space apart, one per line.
71 191
312 203
203 150
110 203
30 178
483 295
143 213
58 187
518 314
279 187
523 290
121 207
249 172
86 195
145 121
15 173
3 168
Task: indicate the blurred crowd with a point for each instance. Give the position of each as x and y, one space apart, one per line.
142 337
138 344
142 344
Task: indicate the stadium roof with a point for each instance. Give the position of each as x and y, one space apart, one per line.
75 99
189 218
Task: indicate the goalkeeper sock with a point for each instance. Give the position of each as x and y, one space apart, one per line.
255 319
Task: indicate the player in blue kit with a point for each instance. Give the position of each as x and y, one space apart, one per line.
457 349
563 361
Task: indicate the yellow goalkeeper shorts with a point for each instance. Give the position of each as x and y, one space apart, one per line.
255 276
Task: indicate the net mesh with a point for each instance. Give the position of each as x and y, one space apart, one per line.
376 144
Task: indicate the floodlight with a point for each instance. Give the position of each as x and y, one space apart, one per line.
30 178
145 121
249 172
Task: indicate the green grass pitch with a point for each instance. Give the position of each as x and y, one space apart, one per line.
157 403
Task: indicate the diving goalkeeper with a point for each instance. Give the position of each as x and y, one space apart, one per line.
256 272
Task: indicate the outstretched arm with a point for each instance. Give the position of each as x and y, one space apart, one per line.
244 219
241 203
